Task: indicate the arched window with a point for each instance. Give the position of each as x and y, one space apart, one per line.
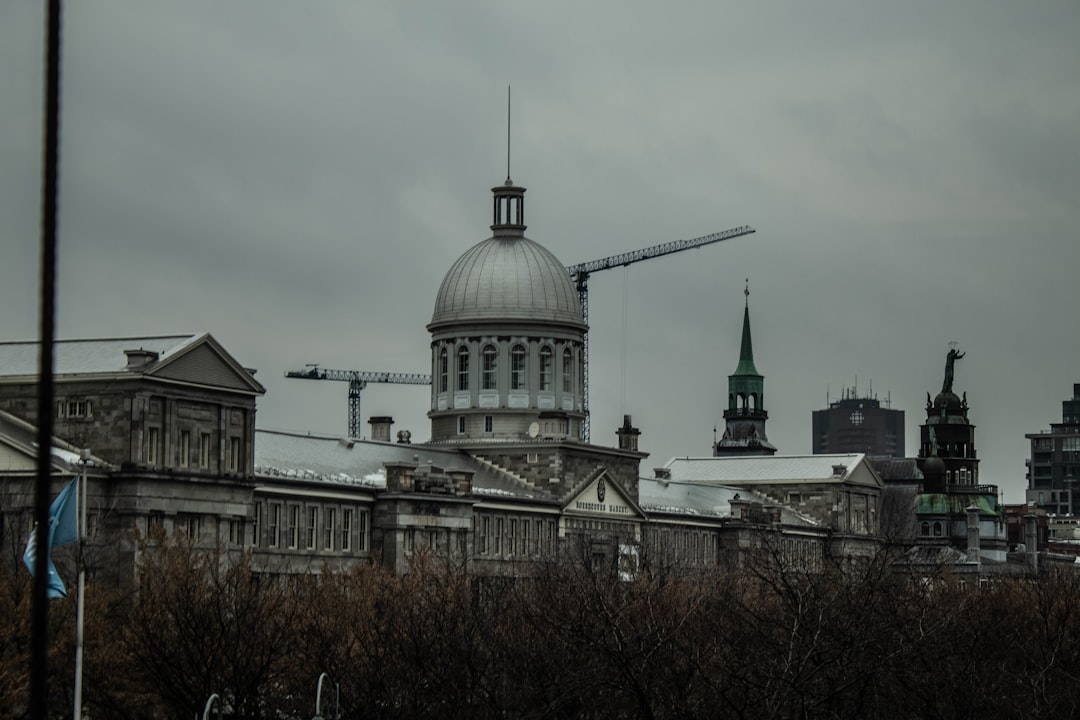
545 368
925 529
567 371
463 368
517 368
490 364
444 370
937 529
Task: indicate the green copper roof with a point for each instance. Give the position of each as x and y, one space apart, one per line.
942 504
746 352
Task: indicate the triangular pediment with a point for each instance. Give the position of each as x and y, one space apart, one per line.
603 497
205 362
14 457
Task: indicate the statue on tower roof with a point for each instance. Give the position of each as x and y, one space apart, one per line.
950 362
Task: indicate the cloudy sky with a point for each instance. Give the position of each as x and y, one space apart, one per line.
296 178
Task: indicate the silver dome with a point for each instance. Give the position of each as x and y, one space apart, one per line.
507 278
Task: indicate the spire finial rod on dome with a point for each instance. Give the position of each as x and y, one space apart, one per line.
746 292
508 181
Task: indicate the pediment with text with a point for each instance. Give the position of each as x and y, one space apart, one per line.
602 496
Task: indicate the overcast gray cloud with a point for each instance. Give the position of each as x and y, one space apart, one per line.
296 178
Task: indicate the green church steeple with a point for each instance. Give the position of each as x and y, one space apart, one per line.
746 351
744 419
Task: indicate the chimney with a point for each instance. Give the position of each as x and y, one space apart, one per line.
404 437
628 436
380 427
140 358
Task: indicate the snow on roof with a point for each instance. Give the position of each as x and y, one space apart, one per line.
87 356
763 468
689 498
331 459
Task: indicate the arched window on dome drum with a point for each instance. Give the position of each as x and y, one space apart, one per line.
444 370
517 368
490 365
545 368
463 368
567 371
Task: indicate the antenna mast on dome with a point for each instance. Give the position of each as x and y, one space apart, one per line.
508 135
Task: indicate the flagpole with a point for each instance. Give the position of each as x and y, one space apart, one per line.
84 458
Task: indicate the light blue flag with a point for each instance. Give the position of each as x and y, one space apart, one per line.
63 528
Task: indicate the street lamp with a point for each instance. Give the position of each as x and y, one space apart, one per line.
318 699
209 704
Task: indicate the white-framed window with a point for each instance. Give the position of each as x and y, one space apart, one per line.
518 368
204 450
346 529
312 527
444 370
234 454
361 530
236 531
463 368
294 526
74 408
489 367
188 525
256 525
185 448
498 536
511 544
329 528
545 368
275 525
567 371
485 530
153 439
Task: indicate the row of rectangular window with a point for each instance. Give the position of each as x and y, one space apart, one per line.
153 446
518 369
522 536
333 536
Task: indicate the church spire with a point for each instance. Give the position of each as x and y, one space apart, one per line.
746 351
744 419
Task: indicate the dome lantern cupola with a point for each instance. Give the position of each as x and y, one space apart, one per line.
509 209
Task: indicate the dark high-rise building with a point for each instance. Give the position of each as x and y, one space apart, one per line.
856 424
1054 465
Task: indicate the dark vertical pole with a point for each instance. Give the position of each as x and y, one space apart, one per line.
39 671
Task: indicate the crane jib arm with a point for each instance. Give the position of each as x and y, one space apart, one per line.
584 269
317 373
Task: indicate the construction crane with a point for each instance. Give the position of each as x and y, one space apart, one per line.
580 275
358 380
